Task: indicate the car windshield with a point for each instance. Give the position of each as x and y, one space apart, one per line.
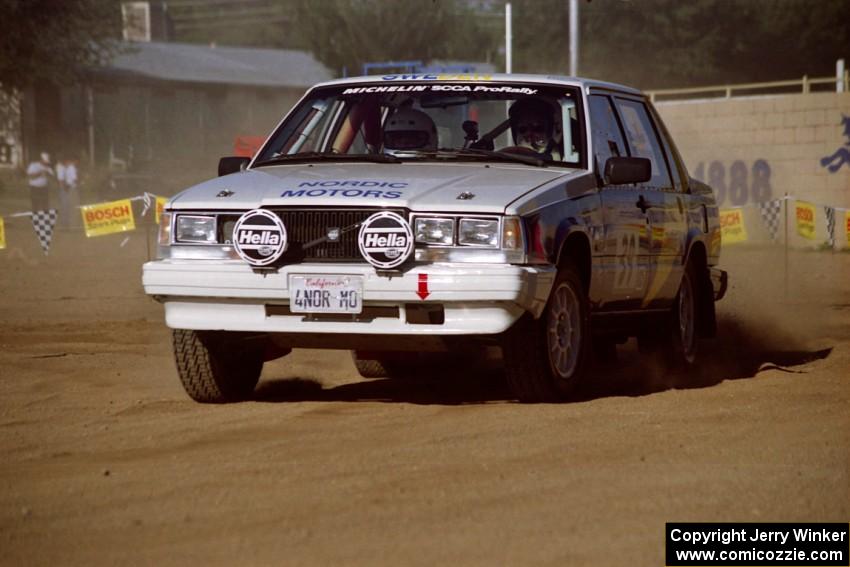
470 121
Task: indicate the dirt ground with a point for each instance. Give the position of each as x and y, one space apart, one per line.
105 460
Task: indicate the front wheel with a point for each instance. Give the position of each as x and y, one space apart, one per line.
216 368
546 359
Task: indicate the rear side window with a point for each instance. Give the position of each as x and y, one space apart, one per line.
643 142
605 130
677 166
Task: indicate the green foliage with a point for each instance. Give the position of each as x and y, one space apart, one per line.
348 33
669 43
51 40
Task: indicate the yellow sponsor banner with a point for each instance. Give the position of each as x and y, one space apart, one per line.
804 213
3 234
732 228
160 206
107 218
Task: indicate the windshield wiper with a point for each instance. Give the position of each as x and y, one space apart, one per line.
470 152
505 156
327 156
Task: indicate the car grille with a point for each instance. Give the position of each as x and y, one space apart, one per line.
306 225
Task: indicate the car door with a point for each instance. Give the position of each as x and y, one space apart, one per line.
624 266
661 199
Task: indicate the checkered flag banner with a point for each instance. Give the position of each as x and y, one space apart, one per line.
43 223
770 214
830 225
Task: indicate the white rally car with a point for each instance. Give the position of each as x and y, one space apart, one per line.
443 212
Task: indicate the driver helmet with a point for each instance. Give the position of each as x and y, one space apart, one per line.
410 129
532 125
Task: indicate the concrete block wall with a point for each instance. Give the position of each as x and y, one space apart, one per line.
760 148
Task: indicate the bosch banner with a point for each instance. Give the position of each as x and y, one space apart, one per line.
732 226
804 213
108 218
160 206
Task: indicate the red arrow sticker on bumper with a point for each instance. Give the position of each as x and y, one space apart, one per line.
423 292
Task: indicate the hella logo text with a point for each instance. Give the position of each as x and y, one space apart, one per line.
259 237
378 240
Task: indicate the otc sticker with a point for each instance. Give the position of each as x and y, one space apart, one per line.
259 237
385 240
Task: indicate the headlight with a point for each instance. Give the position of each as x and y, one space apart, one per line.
191 228
435 231
479 232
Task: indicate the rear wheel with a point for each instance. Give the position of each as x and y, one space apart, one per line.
389 364
674 342
216 367
683 337
371 366
546 359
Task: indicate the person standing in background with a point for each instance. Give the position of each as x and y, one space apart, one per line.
66 174
39 176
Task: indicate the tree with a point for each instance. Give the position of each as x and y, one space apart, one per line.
669 43
344 34
53 40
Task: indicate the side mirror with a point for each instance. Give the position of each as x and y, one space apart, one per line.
228 165
626 170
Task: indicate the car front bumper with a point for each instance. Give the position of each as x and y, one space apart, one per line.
477 299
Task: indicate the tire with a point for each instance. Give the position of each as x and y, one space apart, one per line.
369 367
215 370
546 359
684 324
673 344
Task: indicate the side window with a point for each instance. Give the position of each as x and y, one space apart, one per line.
605 130
643 142
677 166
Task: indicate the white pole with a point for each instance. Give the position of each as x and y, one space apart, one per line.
573 38
90 121
508 39
839 76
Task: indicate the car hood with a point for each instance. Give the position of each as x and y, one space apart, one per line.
444 187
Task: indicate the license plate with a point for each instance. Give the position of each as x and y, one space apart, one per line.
325 294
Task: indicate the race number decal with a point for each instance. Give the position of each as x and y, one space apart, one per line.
626 272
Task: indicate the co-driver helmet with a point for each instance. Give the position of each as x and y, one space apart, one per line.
536 112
